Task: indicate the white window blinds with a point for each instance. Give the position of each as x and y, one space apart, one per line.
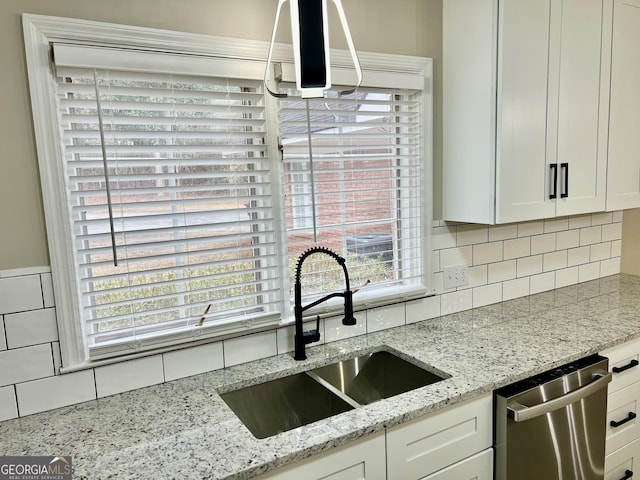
357 187
191 206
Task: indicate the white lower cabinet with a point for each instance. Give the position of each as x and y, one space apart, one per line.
623 462
623 424
450 444
476 467
360 460
426 445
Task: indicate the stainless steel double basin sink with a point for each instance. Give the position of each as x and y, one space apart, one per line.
289 402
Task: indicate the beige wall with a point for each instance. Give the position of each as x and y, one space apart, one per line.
631 242
412 27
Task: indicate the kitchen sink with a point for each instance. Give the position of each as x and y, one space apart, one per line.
283 404
372 377
289 402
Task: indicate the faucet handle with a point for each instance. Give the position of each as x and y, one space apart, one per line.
312 336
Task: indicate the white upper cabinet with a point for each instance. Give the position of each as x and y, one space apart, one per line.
623 182
525 108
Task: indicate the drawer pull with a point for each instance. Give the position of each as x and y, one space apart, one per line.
631 364
627 475
630 417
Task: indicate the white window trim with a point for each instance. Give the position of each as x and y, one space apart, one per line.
42 31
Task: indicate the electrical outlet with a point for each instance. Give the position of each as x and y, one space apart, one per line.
456 276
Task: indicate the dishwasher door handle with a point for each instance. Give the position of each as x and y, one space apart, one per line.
521 413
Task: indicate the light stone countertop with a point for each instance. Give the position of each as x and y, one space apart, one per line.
183 429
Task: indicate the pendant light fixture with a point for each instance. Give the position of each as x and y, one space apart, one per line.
310 37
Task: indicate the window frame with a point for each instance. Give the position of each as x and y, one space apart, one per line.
40 32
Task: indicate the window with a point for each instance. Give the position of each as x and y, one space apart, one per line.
354 183
178 195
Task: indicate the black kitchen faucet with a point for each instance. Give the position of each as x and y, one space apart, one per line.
303 338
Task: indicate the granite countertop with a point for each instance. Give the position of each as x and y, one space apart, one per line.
183 429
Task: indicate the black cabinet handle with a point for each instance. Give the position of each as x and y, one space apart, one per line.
565 192
554 185
630 417
627 475
631 364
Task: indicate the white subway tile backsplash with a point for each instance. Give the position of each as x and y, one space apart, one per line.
554 260
55 392
437 282
556 224
566 277
250 347
502 271
567 239
578 256
589 271
477 276
542 283
18 294
515 288
3 339
23 272
383 318
192 361
8 404
528 266
543 243
469 234
518 248
580 221
129 375
487 295
600 251
31 328
618 215
24 364
590 235
601 218
503 232
487 253
610 267
334 329
451 257
57 357
444 237
422 309
456 301
528 229
47 290
616 248
611 232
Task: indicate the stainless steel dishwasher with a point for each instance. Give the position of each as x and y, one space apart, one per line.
553 426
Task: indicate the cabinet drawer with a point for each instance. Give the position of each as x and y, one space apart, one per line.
623 463
361 460
477 467
426 445
624 362
622 406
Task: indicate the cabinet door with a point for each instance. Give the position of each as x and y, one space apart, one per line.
477 467
623 179
581 104
425 445
623 424
523 59
623 464
360 460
